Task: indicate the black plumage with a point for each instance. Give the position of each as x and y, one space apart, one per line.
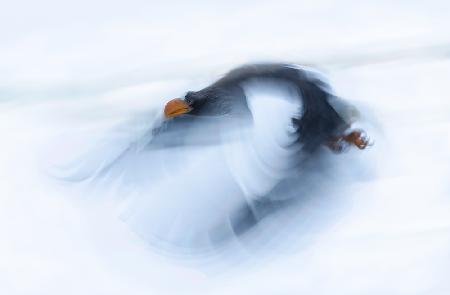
317 122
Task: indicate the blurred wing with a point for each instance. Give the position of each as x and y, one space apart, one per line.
194 184
211 194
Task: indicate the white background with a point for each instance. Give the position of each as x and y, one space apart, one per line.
111 60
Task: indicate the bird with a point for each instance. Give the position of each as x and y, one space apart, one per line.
322 118
219 161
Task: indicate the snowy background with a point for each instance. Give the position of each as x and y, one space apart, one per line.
86 67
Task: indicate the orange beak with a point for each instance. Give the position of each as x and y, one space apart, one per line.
176 107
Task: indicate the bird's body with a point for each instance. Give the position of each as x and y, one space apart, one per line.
316 122
229 155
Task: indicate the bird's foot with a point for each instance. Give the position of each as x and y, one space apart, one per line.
357 138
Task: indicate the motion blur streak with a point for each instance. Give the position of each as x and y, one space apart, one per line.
84 86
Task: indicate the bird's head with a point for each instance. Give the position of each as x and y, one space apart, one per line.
180 106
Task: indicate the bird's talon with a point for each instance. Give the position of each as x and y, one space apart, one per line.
357 138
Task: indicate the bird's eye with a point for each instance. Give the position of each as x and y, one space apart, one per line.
188 100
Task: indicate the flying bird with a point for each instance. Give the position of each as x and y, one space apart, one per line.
220 160
322 118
